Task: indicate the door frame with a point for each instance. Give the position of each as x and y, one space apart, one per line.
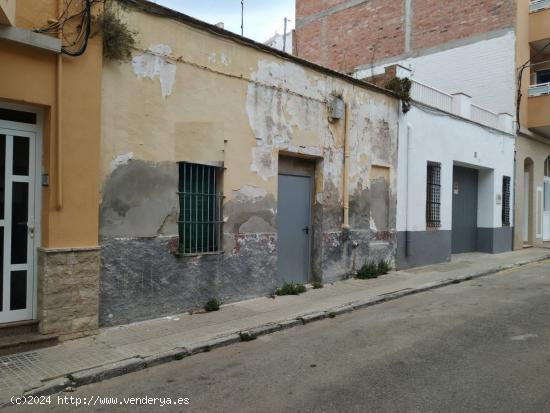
37 130
545 214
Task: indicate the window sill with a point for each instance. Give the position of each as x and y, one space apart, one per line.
197 254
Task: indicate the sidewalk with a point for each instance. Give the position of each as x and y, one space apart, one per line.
128 348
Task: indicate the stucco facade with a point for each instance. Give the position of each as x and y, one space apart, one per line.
64 93
194 93
488 152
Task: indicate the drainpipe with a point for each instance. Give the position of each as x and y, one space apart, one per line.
59 140
345 225
409 147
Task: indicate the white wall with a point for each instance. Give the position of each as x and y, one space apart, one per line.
484 70
429 135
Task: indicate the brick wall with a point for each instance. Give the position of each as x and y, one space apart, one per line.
436 22
346 34
353 37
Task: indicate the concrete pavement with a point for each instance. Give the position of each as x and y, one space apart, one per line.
479 346
124 349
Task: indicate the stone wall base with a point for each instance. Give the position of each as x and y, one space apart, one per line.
68 291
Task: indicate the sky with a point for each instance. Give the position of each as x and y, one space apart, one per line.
262 18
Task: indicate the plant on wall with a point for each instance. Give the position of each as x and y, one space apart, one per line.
118 39
402 87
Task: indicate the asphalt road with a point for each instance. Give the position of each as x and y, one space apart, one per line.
479 346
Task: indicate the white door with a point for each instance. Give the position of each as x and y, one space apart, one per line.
17 221
546 219
526 205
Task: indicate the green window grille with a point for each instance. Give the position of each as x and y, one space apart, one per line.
506 201
200 216
433 195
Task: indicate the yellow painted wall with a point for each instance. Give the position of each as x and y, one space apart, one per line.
539 25
30 78
209 100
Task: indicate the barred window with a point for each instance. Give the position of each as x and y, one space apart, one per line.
506 201
433 195
200 217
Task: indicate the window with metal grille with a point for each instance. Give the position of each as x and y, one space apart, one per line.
506 201
433 195
200 218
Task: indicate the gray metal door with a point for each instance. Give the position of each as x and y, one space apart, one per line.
464 209
294 228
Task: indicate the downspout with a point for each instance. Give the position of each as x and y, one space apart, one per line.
407 191
514 197
345 225
59 140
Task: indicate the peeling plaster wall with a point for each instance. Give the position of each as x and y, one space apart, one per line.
189 95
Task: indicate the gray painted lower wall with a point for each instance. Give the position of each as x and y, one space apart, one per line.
418 248
142 278
495 240
432 247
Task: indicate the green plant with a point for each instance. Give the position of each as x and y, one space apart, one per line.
402 87
373 270
118 39
212 305
291 289
367 271
246 336
383 267
317 284
331 315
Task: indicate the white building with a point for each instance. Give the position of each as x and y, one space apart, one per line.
455 178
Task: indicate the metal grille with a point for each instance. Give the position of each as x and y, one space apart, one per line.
200 217
433 195
506 201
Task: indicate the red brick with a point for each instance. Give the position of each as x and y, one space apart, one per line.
374 30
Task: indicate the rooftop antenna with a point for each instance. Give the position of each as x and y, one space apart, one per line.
284 36
242 17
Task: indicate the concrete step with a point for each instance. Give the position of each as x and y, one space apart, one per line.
19 327
26 342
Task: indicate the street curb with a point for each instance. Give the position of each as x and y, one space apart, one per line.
119 368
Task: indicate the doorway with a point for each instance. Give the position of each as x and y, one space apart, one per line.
464 225
527 201
18 219
294 225
546 216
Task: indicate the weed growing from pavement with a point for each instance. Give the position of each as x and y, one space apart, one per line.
245 336
291 289
212 305
372 270
317 284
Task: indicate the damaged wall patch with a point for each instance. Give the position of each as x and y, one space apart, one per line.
154 63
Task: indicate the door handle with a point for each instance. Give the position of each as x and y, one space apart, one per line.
306 230
31 229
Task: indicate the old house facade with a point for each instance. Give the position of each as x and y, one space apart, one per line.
49 167
228 168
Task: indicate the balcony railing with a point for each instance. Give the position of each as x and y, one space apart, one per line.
484 116
461 105
539 90
538 5
431 96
